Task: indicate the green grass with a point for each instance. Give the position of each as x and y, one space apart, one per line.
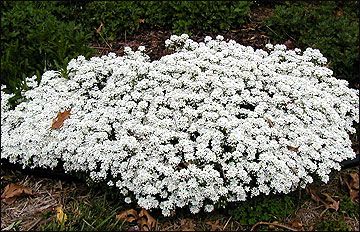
96 214
265 208
331 225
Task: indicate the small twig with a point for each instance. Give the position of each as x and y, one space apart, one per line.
322 213
33 225
271 30
105 40
88 224
227 223
273 224
290 36
99 47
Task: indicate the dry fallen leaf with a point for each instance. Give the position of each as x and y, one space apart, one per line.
187 225
295 149
296 224
142 224
128 215
12 191
214 225
352 182
149 223
141 20
313 194
330 203
58 122
61 217
144 220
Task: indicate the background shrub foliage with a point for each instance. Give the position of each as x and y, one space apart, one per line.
39 36
126 17
331 26
34 40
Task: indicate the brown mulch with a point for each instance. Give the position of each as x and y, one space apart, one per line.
252 34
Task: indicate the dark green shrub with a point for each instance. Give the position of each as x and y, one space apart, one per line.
269 208
34 40
118 17
328 26
208 16
125 17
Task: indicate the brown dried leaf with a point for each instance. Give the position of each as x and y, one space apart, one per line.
183 165
294 149
142 224
141 21
214 225
187 225
313 195
146 221
330 203
58 122
354 195
296 224
128 215
353 186
12 191
354 181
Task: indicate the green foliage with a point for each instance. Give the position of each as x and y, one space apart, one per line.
125 17
269 208
348 207
207 15
118 17
332 225
328 26
34 40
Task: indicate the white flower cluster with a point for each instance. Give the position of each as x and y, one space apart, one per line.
215 121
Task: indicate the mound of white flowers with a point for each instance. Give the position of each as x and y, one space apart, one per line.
215 121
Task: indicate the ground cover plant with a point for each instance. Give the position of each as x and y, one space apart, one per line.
213 122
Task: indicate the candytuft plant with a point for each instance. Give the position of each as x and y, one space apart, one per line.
213 122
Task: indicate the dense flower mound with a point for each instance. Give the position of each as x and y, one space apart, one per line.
213 122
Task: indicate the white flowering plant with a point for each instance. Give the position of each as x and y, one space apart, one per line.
213 122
